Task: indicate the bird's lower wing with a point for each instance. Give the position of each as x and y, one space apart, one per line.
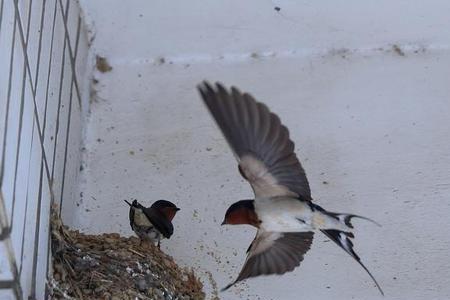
274 253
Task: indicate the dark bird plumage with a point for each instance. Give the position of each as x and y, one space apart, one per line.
152 223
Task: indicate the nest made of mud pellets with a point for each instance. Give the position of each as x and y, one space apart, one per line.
109 266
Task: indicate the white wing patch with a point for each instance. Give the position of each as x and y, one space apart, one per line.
263 241
263 183
140 219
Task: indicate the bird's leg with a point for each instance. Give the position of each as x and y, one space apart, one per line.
159 243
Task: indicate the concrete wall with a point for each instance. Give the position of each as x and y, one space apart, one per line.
363 88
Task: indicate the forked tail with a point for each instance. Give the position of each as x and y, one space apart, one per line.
344 218
343 240
347 218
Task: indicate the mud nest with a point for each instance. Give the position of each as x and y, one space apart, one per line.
109 266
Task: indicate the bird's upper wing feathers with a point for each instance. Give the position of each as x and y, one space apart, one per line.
160 221
259 141
274 253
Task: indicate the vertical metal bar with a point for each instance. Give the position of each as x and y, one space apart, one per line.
22 39
69 118
68 124
8 100
41 176
19 133
61 83
26 204
36 235
32 138
22 102
44 159
28 24
71 56
3 219
4 223
38 63
3 149
11 255
49 71
1 15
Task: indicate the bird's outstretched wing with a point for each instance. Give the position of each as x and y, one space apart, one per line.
274 253
259 141
160 221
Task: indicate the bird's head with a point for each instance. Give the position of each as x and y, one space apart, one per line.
166 207
241 212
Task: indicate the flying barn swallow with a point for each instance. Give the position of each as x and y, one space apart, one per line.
282 210
152 223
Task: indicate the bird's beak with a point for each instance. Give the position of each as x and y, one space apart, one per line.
177 209
127 202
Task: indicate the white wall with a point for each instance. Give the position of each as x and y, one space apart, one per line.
369 120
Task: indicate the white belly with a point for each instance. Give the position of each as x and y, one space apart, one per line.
144 228
285 214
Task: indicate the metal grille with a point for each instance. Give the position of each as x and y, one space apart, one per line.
43 54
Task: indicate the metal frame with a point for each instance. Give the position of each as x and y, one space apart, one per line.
41 38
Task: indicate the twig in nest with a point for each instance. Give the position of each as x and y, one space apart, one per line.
90 280
140 296
69 266
137 253
57 290
99 274
77 289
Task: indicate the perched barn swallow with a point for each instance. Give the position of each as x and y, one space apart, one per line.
152 223
282 209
